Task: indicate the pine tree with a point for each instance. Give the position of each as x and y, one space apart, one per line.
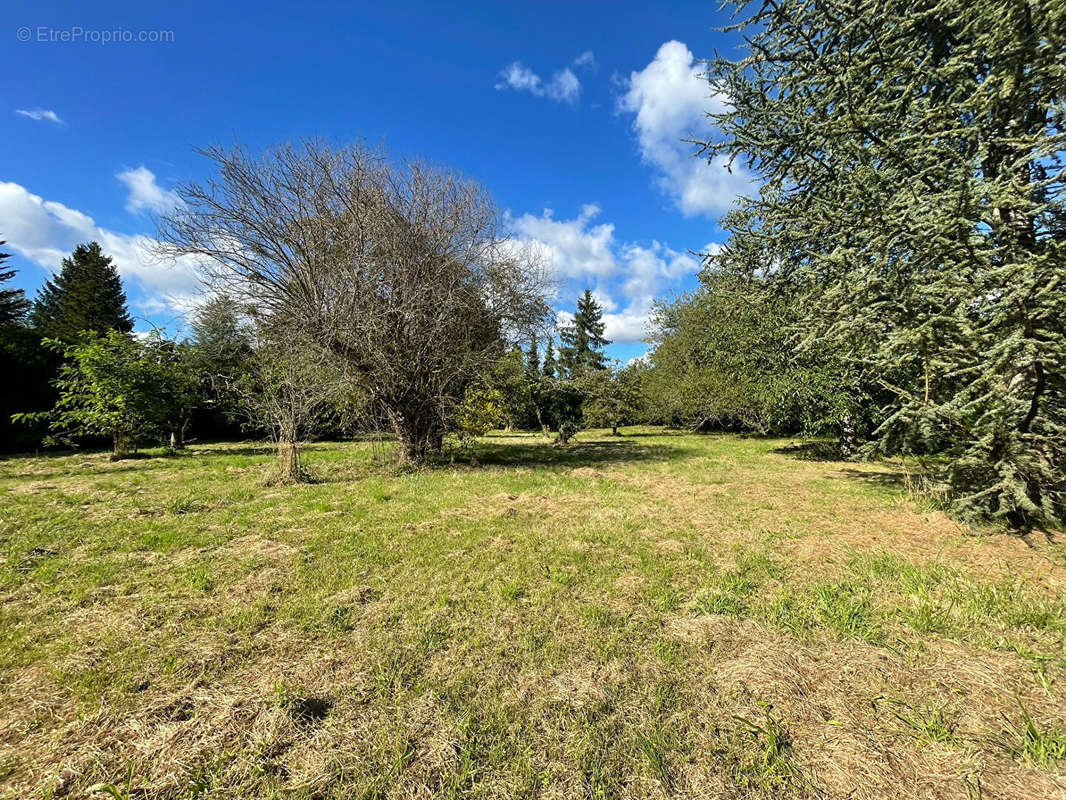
220 349
86 295
910 156
583 340
549 368
13 302
533 358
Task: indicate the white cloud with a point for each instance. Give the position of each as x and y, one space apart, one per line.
625 277
586 59
574 248
45 232
39 114
670 102
564 86
630 325
145 193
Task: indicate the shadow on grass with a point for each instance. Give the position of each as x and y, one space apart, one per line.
890 480
533 452
576 454
823 450
265 449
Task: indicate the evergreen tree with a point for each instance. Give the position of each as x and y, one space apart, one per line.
86 295
549 368
533 358
583 340
912 201
13 302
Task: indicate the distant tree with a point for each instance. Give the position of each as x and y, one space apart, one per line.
533 358
86 295
511 380
29 369
724 358
549 369
611 398
583 340
562 400
178 386
13 302
221 347
483 408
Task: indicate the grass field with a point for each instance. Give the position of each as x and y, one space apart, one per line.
651 615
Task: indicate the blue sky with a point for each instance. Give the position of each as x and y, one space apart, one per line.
572 114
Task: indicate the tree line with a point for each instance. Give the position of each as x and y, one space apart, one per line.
82 377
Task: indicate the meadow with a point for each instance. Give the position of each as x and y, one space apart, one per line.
651 615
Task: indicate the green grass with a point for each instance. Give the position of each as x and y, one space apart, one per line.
639 616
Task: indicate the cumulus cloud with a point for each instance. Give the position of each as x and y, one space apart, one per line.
625 277
564 86
45 231
40 115
144 193
574 248
669 102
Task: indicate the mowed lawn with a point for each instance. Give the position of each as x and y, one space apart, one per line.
652 615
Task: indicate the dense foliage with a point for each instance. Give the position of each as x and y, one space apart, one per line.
13 302
726 358
119 386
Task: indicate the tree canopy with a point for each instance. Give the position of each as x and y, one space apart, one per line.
400 272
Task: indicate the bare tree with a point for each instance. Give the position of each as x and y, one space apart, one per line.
401 272
288 387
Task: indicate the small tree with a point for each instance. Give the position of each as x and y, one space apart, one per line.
611 398
533 358
178 386
483 408
511 380
562 400
289 387
220 348
107 387
550 367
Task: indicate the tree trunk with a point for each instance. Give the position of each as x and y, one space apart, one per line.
421 434
614 429
121 444
850 436
289 469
